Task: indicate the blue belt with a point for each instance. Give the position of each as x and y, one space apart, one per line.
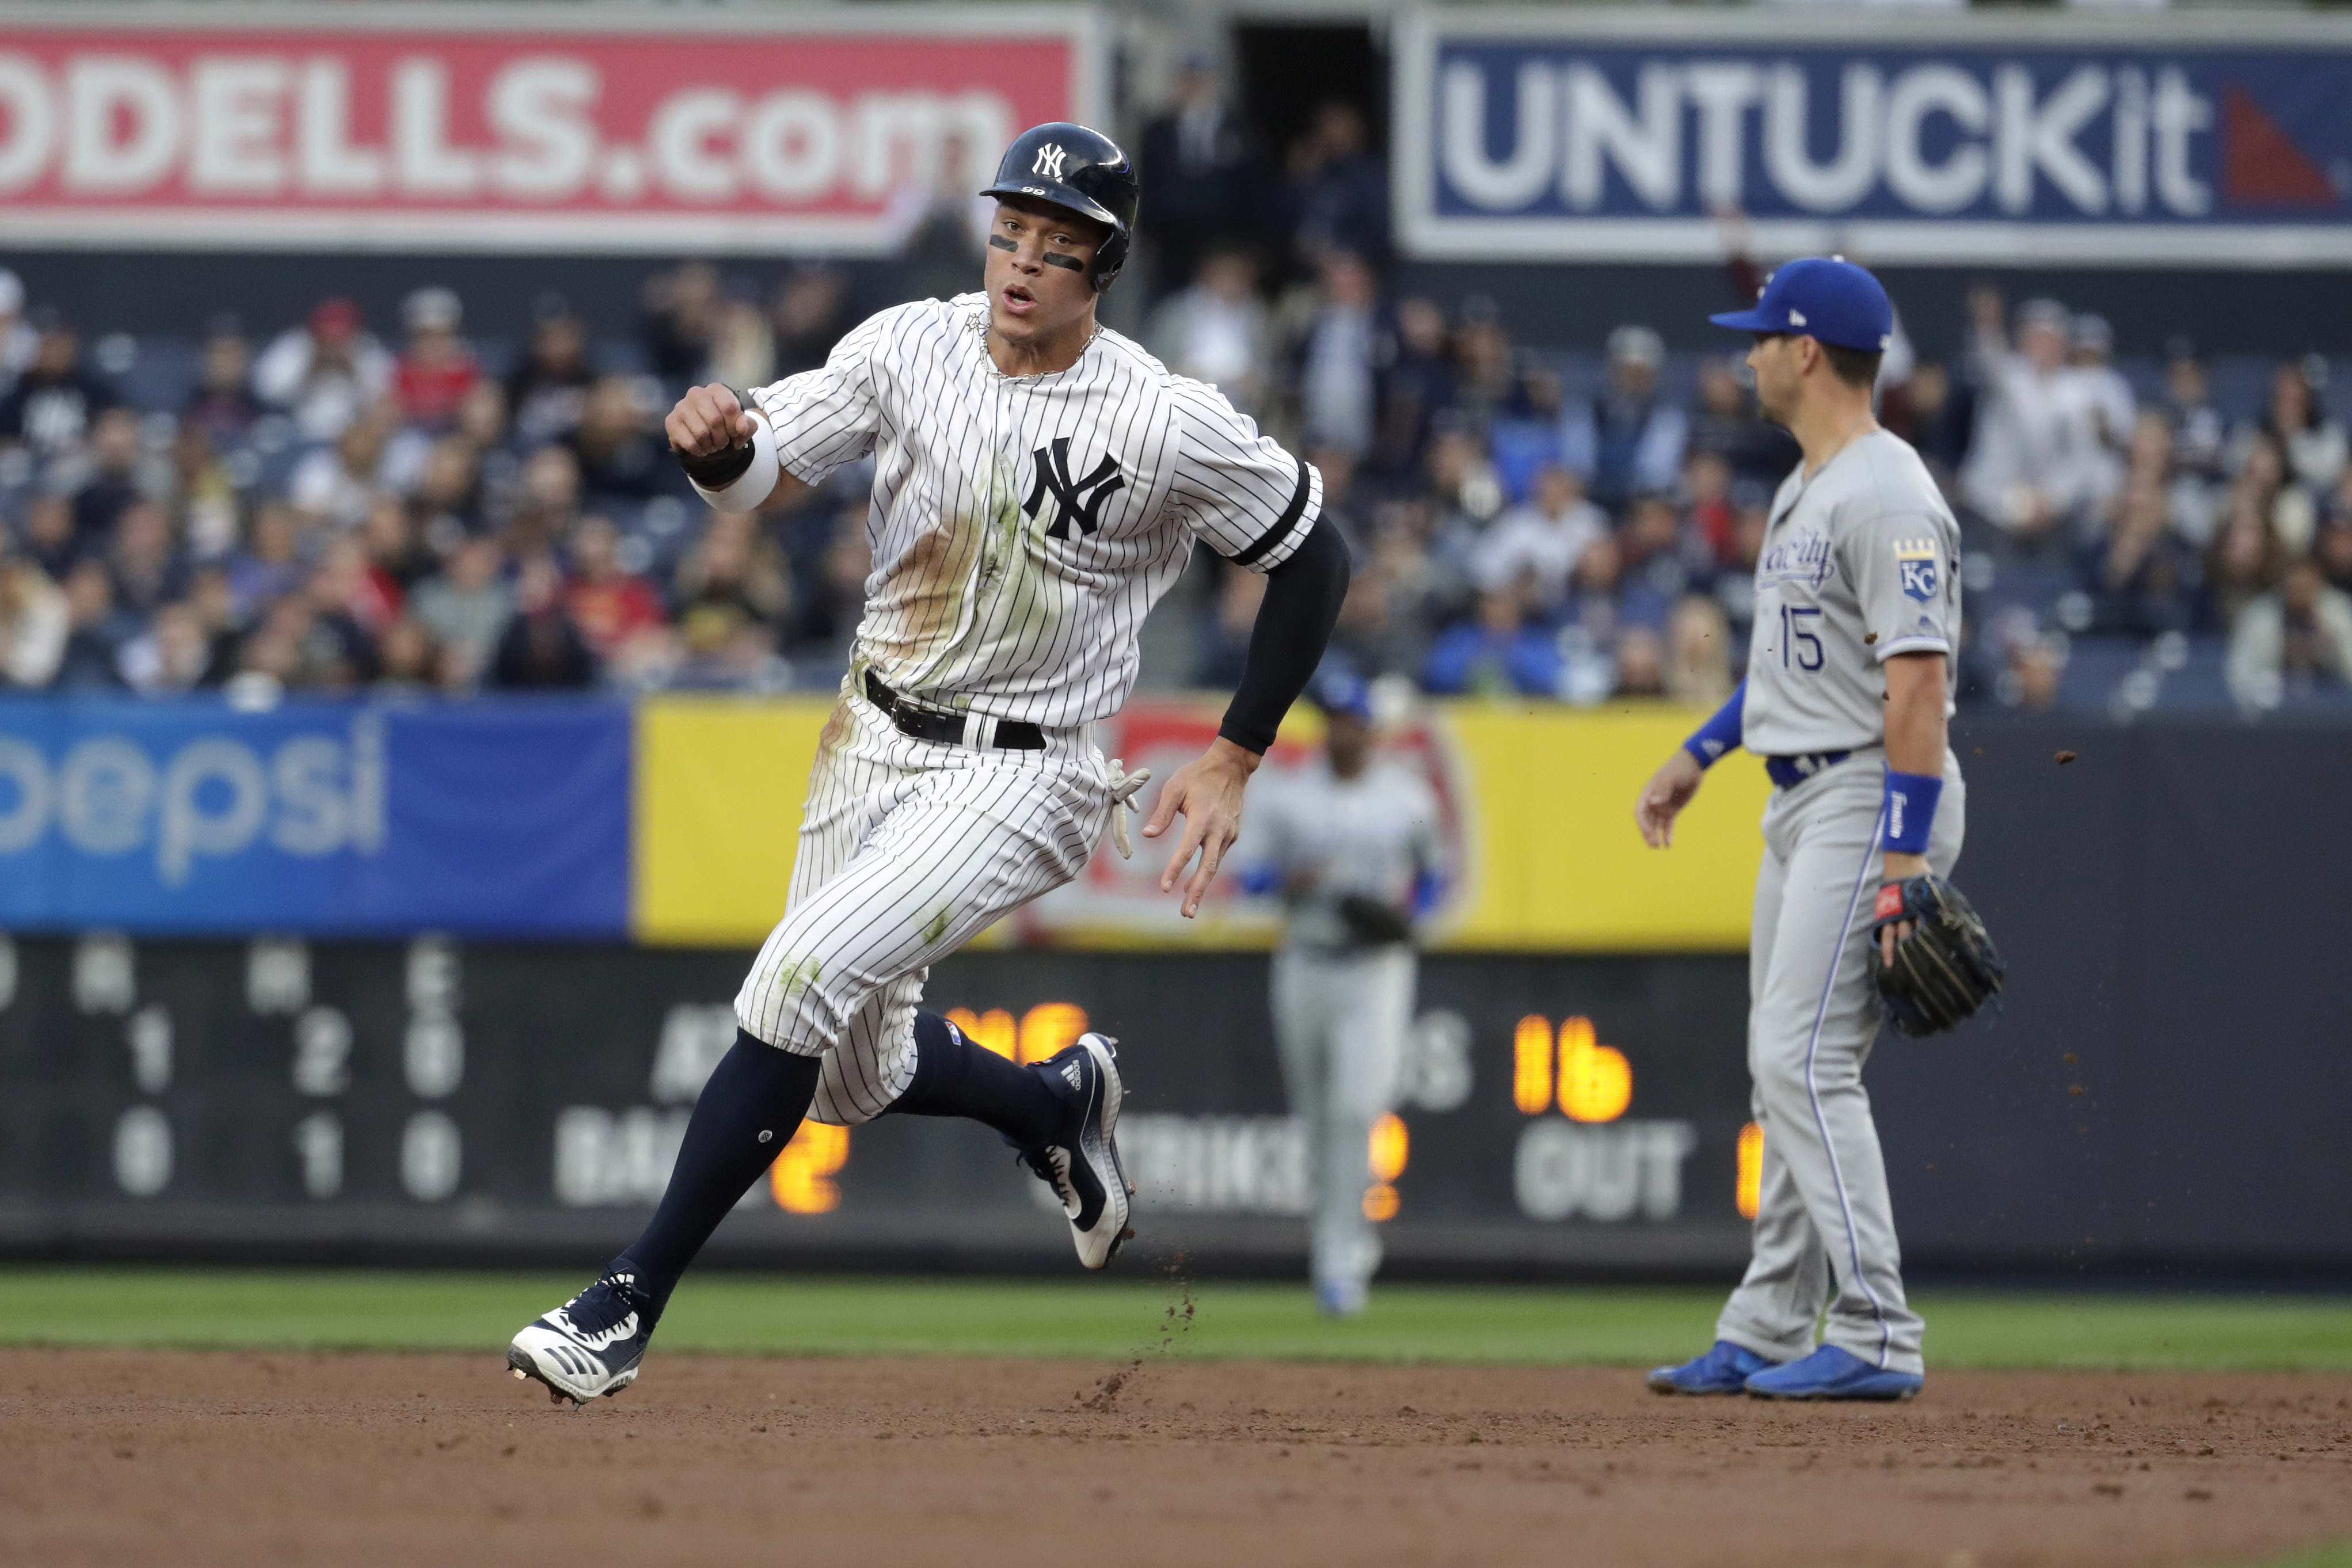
1787 773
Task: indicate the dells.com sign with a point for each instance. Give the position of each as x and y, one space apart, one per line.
2199 140
530 126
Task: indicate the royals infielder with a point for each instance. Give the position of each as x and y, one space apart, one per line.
1038 483
1352 848
1857 607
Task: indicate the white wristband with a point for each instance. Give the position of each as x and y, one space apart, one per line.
752 487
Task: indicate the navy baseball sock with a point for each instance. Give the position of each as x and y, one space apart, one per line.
747 1113
954 1077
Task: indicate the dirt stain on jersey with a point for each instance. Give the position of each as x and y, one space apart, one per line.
837 727
796 975
937 926
988 551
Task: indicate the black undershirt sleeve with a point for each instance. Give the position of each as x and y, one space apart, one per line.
1294 623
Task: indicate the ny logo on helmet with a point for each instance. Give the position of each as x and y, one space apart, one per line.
1077 502
1049 161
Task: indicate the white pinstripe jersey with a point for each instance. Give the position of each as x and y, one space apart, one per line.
1023 527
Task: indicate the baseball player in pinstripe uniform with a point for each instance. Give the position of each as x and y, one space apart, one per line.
1039 481
1847 694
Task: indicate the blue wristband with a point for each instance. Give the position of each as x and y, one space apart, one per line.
1910 811
1721 734
1427 888
1258 880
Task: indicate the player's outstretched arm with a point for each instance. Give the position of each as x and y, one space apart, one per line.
727 452
1294 623
1663 798
1672 786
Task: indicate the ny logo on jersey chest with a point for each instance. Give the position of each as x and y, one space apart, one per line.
1077 503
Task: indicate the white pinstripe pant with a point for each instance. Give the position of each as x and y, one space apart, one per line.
1823 1216
907 848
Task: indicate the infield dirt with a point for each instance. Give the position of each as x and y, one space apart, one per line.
252 1458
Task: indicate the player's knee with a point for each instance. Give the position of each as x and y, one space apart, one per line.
763 1028
788 1004
1786 1086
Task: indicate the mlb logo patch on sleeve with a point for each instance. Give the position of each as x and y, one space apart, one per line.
1916 560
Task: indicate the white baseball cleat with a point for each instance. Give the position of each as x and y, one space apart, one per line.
1081 1163
590 1346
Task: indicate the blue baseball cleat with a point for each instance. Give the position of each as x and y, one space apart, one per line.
1832 1373
1724 1369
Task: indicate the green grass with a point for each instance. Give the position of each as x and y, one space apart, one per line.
2338 1555
426 1310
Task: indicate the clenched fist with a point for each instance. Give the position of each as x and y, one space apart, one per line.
707 421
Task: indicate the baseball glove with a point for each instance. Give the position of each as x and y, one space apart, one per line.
1372 923
1946 969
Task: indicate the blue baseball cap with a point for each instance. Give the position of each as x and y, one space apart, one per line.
1824 297
1338 690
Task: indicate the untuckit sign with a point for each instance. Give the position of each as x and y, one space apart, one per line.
2191 141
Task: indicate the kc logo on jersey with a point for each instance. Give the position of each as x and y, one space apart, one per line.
1049 161
1915 558
1077 502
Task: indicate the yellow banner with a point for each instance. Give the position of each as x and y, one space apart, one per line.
1540 801
717 812
1555 861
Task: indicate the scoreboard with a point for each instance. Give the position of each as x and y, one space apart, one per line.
433 1098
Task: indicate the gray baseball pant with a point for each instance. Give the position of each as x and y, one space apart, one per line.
1339 1022
1824 1236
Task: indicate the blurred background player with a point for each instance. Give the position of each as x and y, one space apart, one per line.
1351 845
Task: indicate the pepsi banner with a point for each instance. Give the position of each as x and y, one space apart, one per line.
320 816
2213 140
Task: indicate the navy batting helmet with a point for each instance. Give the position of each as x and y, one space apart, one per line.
1082 170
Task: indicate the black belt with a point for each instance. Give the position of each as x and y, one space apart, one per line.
1789 772
939 724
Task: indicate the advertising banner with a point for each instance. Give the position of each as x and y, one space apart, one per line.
2220 139
318 816
1536 805
546 128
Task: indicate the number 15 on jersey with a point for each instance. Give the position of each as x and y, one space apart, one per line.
1796 631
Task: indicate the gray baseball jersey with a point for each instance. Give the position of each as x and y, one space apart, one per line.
1860 562
1022 526
1369 836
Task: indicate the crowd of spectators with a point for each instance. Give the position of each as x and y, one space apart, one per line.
328 510
1516 533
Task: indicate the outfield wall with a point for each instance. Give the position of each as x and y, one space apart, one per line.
2164 1086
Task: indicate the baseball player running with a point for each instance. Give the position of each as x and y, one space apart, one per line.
1857 607
1039 482
1352 848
